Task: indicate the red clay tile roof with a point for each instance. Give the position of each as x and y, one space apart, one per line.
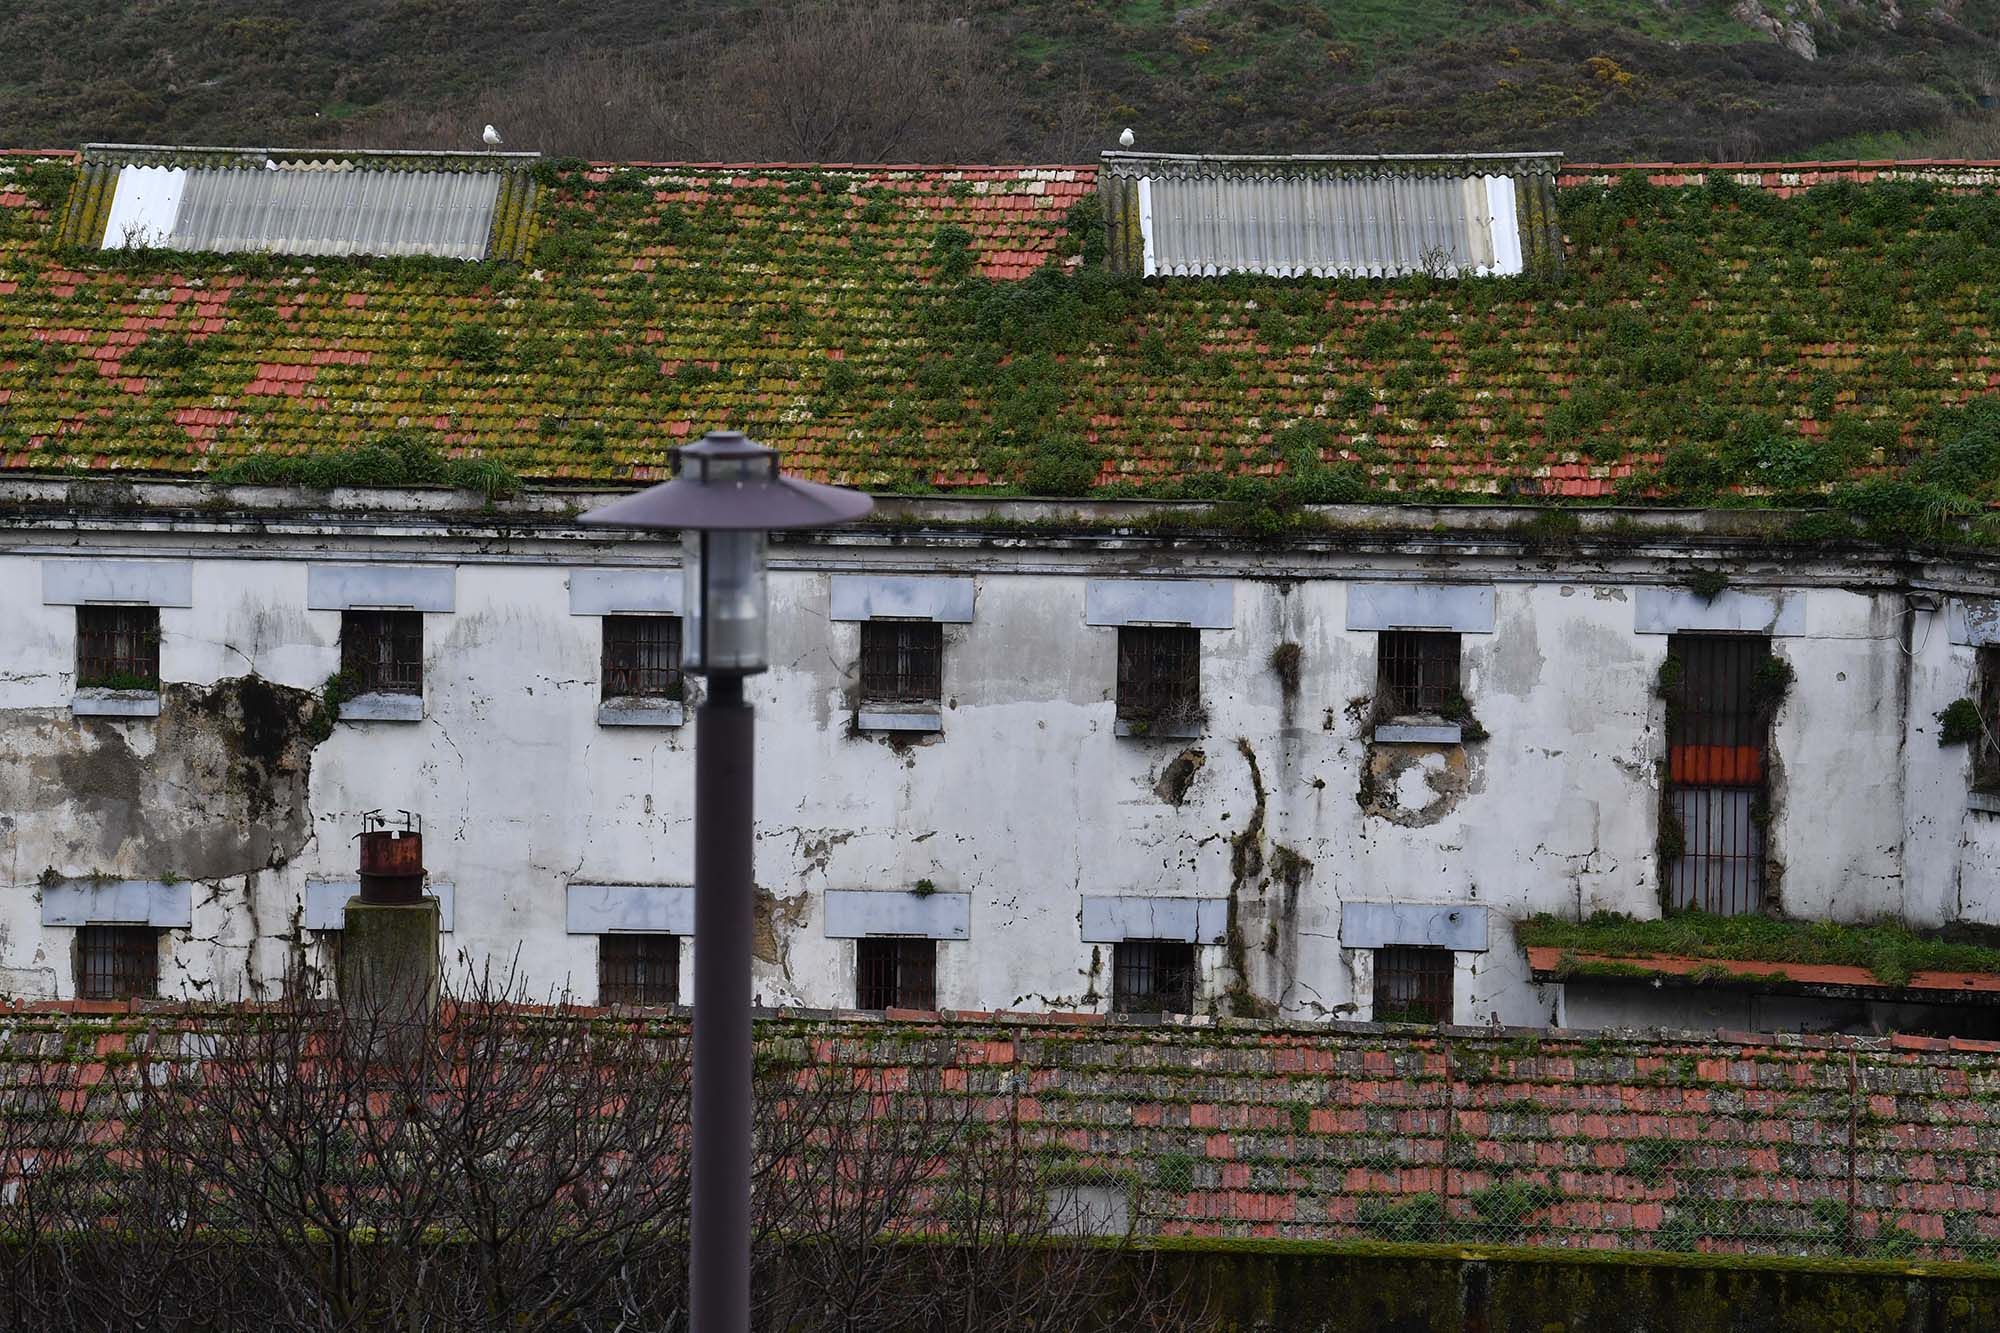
1725 1144
1549 962
821 309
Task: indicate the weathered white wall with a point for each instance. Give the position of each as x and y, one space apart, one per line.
1026 801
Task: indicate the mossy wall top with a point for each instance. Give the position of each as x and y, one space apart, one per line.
917 328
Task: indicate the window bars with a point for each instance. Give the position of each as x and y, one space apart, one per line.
902 661
895 974
1159 674
1416 671
638 969
117 962
642 657
382 652
1986 748
118 647
1152 977
1412 984
1718 724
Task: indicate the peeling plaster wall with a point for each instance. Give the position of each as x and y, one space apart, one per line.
1026 801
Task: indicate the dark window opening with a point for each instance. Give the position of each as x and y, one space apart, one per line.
117 962
1416 671
1986 749
895 974
1715 808
1412 984
642 657
639 969
117 647
902 661
1159 675
382 652
1152 977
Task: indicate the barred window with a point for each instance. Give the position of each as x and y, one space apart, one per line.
382 652
1412 985
1152 977
118 647
1986 749
117 962
1159 674
895 974
1417 672
642 657
1712 826
638 969
902 661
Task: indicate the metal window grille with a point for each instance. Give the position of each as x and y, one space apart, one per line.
895 974
118 645
383 651
1152 977
1412 984
117 962
1416 671
642 657
902 661
638 969
1986 750
1159 673
1712 847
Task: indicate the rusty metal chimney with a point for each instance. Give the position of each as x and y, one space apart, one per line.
392 858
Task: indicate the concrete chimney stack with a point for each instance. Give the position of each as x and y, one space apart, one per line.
389 964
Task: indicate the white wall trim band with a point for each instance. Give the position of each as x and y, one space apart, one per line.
853 914
625 592
1111 920
1457 926
1681 611
326 902
896 597
1197 603
118 902
381 587
77 581
641 909
1974 624
1466 608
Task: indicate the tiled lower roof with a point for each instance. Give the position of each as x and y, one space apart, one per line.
1549 963
1724 1144
880 325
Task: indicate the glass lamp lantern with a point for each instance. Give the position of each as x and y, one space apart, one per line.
726 495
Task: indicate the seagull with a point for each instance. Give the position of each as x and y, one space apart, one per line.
1125 140
492 137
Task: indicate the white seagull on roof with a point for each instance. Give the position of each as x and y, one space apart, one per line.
1126 140
492 137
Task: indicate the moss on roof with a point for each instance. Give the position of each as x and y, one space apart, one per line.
1891 951
930 328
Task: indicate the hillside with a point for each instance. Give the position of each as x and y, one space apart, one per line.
1598 79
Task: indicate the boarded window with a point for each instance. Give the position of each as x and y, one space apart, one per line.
118 647
895 974
382 652
1986 749
1416 671
638 969
902 661
1718 726
642 657
1152 977
1159 675
117 962
1412 984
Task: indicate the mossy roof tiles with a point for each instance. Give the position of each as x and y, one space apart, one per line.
1793 331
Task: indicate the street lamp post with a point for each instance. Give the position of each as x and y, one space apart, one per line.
727 493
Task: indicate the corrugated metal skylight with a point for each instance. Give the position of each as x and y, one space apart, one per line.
1480 215
446 205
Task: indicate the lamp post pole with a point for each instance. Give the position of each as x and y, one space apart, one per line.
727 493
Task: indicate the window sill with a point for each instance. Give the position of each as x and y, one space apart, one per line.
887 717
1156 731
115 703
1419 733
1985 802
636 711
383 707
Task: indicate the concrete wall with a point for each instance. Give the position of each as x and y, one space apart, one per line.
1026 801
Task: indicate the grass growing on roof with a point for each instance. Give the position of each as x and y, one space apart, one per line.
1890 950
